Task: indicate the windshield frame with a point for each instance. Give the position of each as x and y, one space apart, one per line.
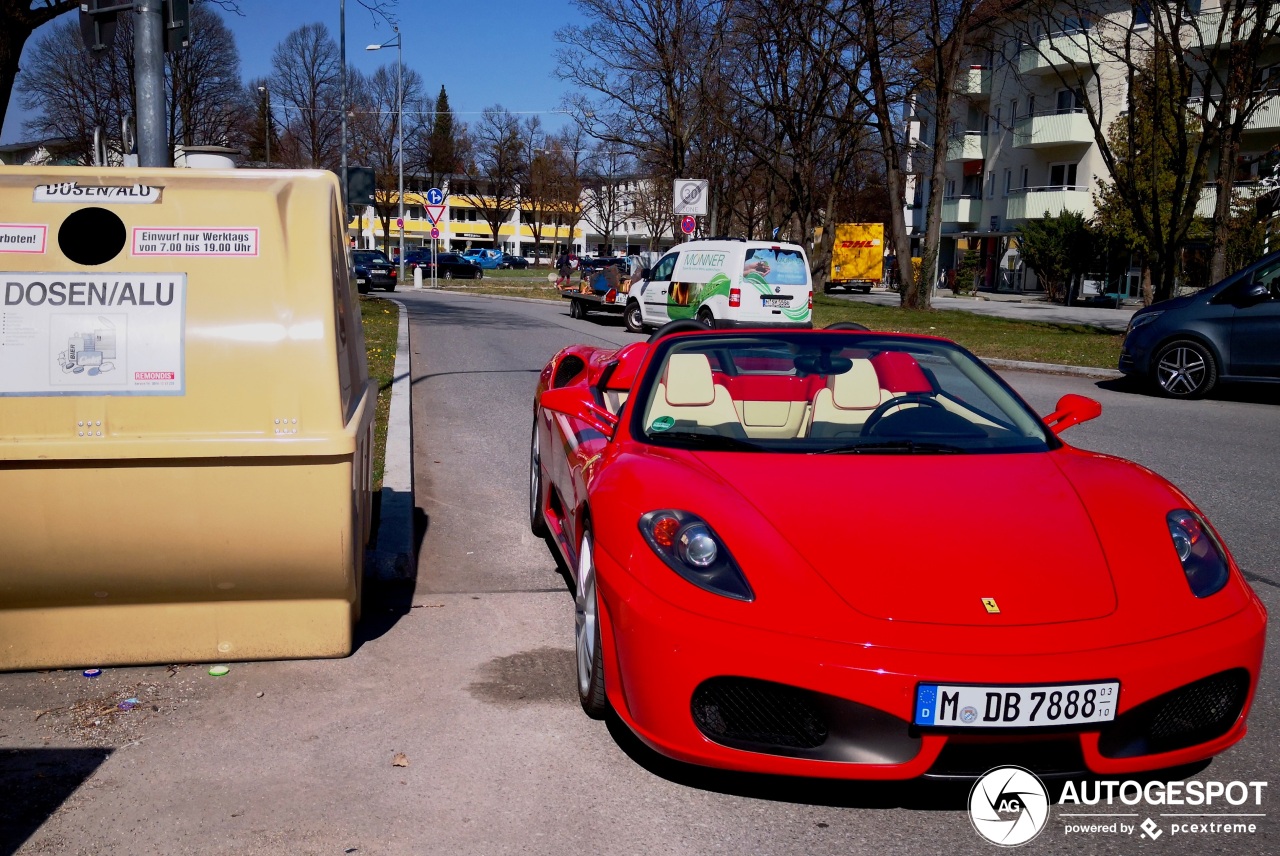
645 388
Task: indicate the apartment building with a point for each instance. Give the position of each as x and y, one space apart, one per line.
1019 144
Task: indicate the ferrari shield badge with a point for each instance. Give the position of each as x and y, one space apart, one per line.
990 604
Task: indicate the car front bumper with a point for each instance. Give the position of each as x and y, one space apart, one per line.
661 659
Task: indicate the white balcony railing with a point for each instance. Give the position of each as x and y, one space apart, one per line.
1055 52
1244 192
969 147
1036 203
1057 128
962 209
974 82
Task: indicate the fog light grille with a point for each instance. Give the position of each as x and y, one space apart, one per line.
1195 713
742 710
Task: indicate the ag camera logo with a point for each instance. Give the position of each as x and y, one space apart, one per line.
1008 806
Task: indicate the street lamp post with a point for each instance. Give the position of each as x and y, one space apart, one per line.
266 124
400 135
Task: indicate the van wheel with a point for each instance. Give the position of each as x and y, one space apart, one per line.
706 319
634 317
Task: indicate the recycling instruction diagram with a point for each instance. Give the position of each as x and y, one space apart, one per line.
92 334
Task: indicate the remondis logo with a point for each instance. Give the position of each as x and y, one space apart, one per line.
1009 806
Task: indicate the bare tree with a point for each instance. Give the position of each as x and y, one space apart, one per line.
377 142
567 154
606 199
22 17
206 99
305 83
651 204
492 165
538 179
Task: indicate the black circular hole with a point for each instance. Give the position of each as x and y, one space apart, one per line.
91 236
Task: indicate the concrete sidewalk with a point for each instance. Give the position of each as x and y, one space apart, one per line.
1020 307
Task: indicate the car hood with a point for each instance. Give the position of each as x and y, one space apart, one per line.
928 538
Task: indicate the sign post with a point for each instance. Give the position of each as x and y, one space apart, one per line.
435 207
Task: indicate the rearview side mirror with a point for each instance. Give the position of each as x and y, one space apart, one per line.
576 403
1072 410
1255 292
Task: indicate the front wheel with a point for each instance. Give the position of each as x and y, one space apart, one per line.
634 317
706 319
586 634
1185 369
537 523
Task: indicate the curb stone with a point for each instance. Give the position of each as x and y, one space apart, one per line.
392 559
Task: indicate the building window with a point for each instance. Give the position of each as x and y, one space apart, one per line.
1070 100
951 188
1013 110
1142 13
1062 175
1008 181
1026 178
991 184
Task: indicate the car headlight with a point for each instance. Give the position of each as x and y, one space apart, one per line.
1142 320
1202 560
689 547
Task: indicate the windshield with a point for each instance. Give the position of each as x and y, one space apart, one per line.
363 257
845 393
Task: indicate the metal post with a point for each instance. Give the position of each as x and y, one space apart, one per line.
266 124
148 58
342 103
400 141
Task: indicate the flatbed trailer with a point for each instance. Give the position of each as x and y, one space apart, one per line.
614 302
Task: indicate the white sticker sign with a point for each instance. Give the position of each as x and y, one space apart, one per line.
92 333
71 191
23 238
189 241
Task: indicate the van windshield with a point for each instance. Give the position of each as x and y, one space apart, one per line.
776 266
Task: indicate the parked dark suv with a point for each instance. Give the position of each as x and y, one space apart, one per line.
373 270
1227 332
452 265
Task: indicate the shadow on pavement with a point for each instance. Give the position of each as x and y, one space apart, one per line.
34 783
1243 393
386 601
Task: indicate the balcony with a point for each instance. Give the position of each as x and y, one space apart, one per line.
1208 28
970 147
1055 52
1036 203
1243 193
961 210
1058 128
1266 118
974 82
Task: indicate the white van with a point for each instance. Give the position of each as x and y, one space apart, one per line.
725 283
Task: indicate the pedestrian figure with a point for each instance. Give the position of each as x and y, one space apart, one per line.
565 279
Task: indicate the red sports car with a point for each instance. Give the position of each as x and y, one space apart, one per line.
861 555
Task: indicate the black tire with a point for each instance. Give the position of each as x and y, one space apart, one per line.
590 665
634 317
447 275
706 318
866 289
537 522
1184 369
576 309
390 288
845 325
363 289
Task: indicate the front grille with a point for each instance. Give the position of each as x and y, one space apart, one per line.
746 711
1192 714
967 758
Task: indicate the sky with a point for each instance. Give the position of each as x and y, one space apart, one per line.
492 52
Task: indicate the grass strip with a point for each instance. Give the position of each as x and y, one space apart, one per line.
381 322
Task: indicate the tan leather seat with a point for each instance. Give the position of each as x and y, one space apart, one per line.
840 408
688 395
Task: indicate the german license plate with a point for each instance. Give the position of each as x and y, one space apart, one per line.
359 280
1047 706
776 301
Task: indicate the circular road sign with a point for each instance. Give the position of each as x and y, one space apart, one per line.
399 222
688 223
435 197
435 233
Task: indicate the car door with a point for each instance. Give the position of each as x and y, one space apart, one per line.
653 293
1255 330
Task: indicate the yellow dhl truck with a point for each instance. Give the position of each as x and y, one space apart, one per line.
857 257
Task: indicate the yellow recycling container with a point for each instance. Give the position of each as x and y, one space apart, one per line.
186 417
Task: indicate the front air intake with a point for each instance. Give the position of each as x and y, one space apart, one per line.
738 711
1195 713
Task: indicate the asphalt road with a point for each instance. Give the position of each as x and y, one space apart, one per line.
468 671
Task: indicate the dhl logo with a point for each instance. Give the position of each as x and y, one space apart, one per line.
852 245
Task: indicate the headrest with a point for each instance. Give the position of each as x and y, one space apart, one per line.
856 389
689 381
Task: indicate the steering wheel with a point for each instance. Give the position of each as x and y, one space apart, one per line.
684 325
922 399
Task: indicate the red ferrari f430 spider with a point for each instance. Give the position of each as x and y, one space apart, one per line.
854 554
